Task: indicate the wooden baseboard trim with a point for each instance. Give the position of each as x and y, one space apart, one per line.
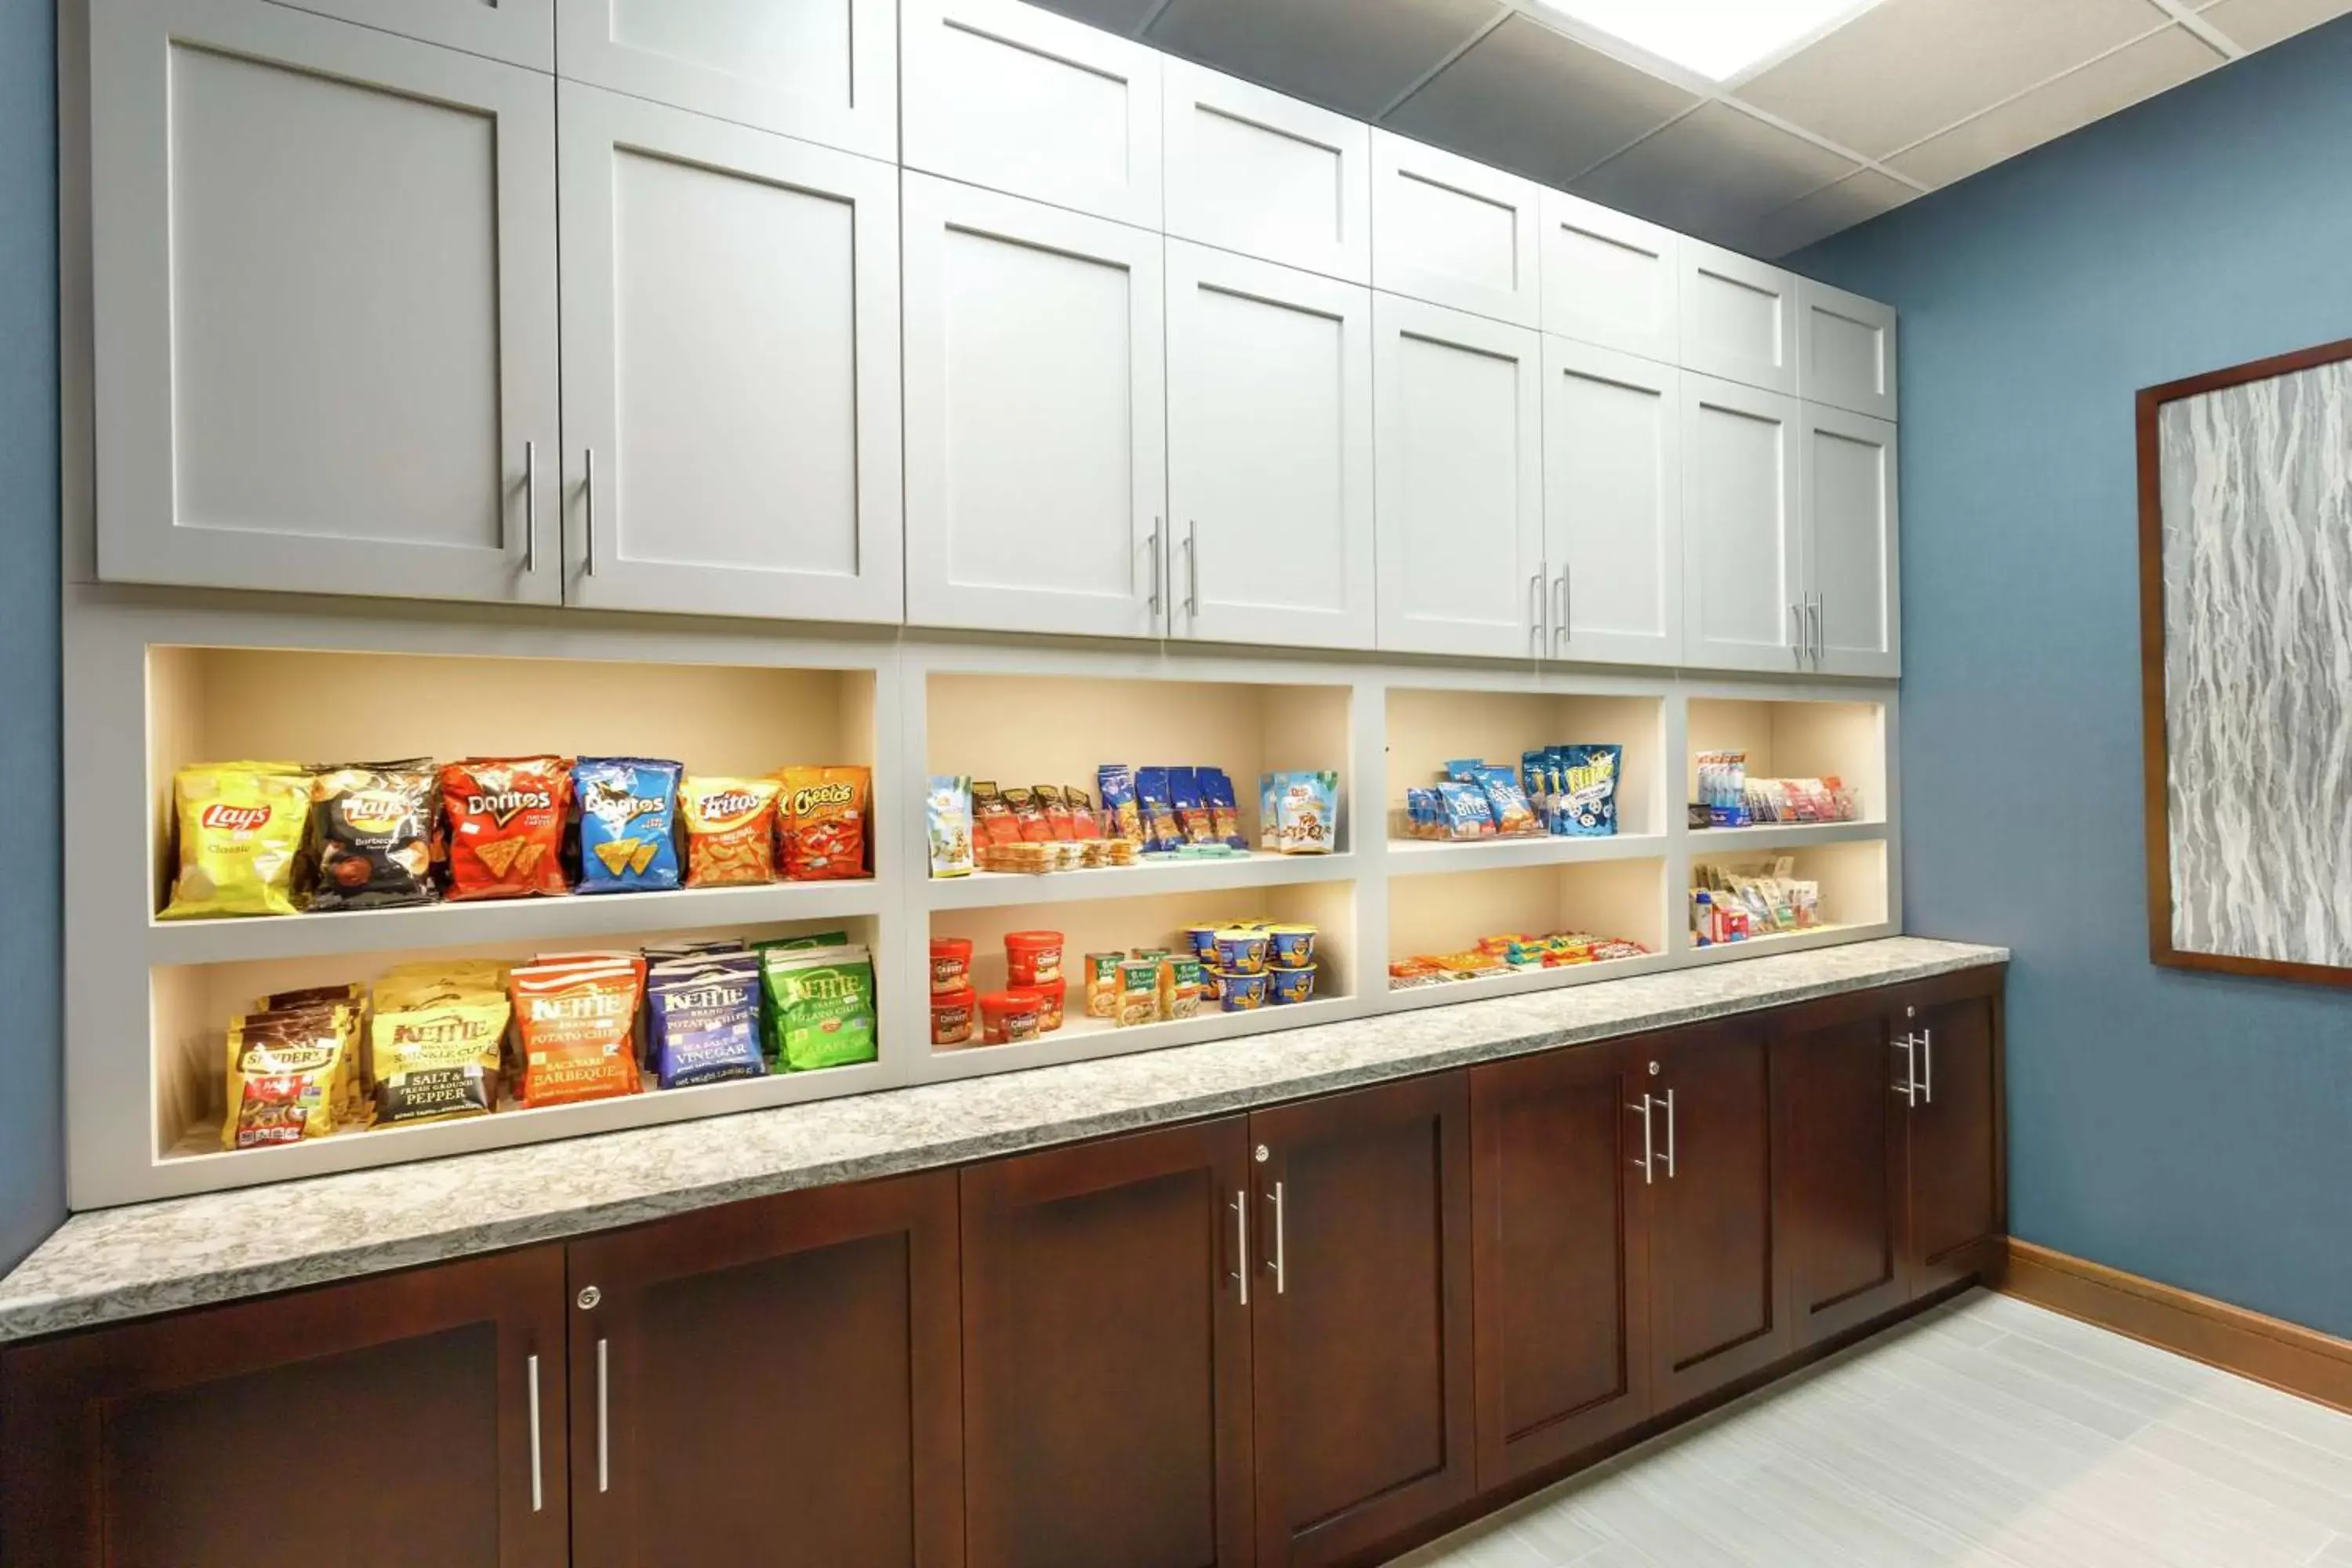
2286 1356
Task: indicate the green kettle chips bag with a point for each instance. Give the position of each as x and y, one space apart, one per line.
821 1005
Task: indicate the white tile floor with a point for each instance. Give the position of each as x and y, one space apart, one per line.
1988 1432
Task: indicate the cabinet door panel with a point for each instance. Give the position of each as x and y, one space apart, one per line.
1742 536
521 32
1844 1209
823 70
1107 1349
1956 1221
1611 281
811 1338
1850 541
1562 1286
1269 452
730 358
1614 504
405 1403
1846 350
1036 441
324 307
1739 319
1457 406
1455 233
1004 95
1362 1316
1714 1267
1254 172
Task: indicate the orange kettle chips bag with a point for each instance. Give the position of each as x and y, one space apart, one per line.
822 822
577 1018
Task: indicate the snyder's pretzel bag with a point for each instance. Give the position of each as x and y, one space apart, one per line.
286 1074
730 831
504 818
241 826
628 824
822 822
370 826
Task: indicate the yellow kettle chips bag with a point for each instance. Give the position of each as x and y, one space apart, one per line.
241 826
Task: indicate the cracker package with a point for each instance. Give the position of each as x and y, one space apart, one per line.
1156 803
730 831
1084 824
438 1059
947 819
992 821
241 827
1224 809
628 824
821 1004
1194 823
371 834
1115 782
821 816
503 817
577 1017
286 1072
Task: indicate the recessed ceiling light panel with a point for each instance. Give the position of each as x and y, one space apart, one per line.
1716 39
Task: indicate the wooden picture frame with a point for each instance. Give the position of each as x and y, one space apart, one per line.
2166 943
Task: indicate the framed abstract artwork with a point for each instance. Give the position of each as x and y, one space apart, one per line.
2245 516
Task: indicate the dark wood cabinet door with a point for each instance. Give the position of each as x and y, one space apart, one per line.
1958 1217
381 1424
770 1384
1715 1300
1560 1264
1361 1317
1839 1097
1106 1353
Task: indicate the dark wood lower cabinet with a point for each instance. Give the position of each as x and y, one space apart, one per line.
1361 1317
1106 1353
1957 1154
770 1384
1844 1126
382 1423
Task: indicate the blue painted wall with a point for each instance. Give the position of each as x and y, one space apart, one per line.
32 1167
2193 1129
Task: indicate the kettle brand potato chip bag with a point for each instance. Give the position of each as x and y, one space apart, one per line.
368 828
505 821
578 1021
241 826
821 1001
438 1060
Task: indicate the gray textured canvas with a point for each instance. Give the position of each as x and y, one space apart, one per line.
2256 487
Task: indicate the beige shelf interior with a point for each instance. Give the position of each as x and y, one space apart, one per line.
1430 726
1449 913
1796 740
1852 877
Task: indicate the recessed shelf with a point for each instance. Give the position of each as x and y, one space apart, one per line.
1081 1036
1526 980
1710 841
1413 856
995 889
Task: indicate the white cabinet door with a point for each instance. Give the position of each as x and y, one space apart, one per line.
1458 446
1846 350
1743 552
1455 233
324 292
824 70
1002 94
520 31
731 368
1739 317
1269 452
1611 279
1850 543
1253 171
1614 504
1036 426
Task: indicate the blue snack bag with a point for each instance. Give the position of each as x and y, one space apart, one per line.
628 824
1224 809
705 1027
1586 805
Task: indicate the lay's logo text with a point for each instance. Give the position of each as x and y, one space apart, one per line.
222 817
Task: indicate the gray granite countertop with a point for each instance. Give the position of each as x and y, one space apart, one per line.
115 1264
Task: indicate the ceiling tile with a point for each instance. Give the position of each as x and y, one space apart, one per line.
1857 199
1354 56
1118 16
1908 68
1528 99
2259 23
1714 172
2116 81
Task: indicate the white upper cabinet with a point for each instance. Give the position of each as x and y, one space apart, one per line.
1036 430
1253 171
324 300
1002 94
521 32
1743 548
1845 347
1269 452
824 70
1609 280
1739 317
1850 543
731 368
1458 449
1614 504
1455 233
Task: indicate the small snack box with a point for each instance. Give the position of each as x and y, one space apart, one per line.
1242 993
1179 988
1139 992
1292 946
1240 950
1285 986
1102 984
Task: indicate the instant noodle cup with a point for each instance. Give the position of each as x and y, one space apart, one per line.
1241 993
1241 951
1213 983
1201 941
1291 946
951 964
1288 986
1049 1007
1008 1018
1034 957
953 1014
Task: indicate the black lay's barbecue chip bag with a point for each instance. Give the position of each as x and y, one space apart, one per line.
369 835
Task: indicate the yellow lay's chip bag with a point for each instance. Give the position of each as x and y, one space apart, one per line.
241 826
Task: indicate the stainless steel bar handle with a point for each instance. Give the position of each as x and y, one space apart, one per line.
1670 1134
1567 602
1192 568
1280 1279
538 1494
1821 649
604 1419
1537 625
1927 1066
1240 1242
1152 544
531 506
588 487
1797 633
1909 1088
1648 1162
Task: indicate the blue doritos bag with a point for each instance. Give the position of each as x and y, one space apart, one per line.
628 824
